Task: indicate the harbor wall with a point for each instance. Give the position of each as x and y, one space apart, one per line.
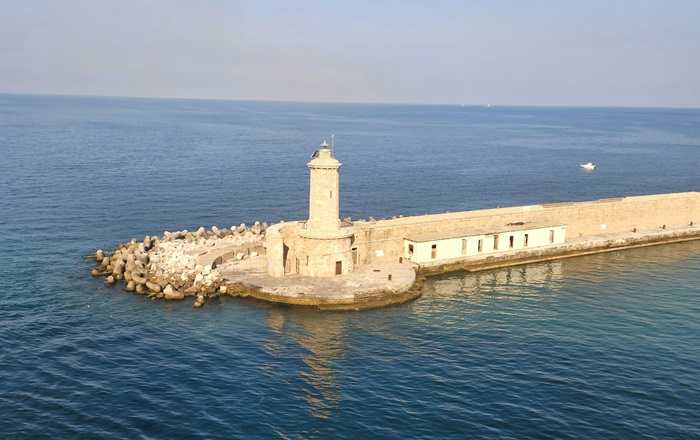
382 241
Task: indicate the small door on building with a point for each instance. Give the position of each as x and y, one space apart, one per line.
338 267
285 252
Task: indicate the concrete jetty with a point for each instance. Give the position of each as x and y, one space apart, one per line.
335 264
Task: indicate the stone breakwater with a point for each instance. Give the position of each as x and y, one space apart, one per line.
179 264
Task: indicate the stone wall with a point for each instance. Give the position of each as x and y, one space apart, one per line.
290 250
383 241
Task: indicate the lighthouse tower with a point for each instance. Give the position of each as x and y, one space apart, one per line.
325 245
324 189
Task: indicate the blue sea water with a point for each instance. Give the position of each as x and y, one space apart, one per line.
604 346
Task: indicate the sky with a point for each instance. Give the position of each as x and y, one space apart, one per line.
499 52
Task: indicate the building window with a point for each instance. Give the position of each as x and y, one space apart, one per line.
511 241
338 267
433 251
297 265
464 246
307 260
527 238
551 235
495 242
479 245
331 193
410 250
354 256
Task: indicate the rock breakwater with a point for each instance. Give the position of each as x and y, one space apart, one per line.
180 264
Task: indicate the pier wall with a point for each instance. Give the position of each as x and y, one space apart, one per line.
383 241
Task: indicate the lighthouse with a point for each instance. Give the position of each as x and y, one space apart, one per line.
320 246
324 191
324 245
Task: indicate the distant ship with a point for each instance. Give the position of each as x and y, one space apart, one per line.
589 166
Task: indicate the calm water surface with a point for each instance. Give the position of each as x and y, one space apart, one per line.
605 346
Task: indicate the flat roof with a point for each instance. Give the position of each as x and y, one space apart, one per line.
470 231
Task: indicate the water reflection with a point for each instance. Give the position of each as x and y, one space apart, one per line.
321 336
513 281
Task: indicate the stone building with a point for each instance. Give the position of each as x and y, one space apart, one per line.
324 246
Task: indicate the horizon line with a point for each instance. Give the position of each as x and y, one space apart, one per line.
290 101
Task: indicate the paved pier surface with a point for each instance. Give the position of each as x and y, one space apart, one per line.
369 286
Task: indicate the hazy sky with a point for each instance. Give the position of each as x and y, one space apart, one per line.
524 52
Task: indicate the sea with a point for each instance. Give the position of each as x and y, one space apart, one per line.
597 347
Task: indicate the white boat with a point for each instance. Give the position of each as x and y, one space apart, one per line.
589 166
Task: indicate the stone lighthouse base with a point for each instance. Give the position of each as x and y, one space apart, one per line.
368 287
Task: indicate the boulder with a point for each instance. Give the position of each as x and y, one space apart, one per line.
153 287
141 258
109 280
139 277
131 286
99 255
118 268
172 294
140 289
